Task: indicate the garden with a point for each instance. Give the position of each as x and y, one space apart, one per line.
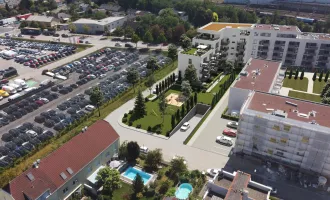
297 82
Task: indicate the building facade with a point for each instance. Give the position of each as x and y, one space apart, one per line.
46 21
99 26
239 42
66 170
290 131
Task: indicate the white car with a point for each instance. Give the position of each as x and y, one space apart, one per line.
224 140
31 133
144 149
212 172
44 100
118 45
102 76
89 107
185 126
232 124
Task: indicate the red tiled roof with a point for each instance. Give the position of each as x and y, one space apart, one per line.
262 101
261 82
240 183
76 154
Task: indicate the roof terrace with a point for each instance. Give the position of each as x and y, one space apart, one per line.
214 26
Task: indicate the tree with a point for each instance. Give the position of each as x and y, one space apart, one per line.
122 151
177 115
213 102
99 15
296 74
133 151
133 77
7 7
190 74
157 89
215 17
302 75
139 106
128 32
191 102
195 98
135 39
321 76
326 76
72 28
106 30
86 28
172 52
162 105
177 32
163 86
314 76
152 64
160 88
153 159
173 78
185 41
166 83
229 67
186 89
137 184
148 37
23 24
290 74
150 82
173 121
109 179
96 98
187 106
183 112
179 77
178 166
161 38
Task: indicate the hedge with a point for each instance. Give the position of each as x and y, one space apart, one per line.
229 117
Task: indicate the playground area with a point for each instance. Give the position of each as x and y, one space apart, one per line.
174 99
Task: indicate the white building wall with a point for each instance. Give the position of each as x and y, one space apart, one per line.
237 97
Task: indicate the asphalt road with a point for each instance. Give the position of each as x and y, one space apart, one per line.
180 136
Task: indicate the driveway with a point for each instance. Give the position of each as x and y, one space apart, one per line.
180 136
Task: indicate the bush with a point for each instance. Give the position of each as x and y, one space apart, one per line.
138 126
149 128
130 112
124 120
125 115
171 192
146 99
130 123
168 133
203 91
158 131
150 192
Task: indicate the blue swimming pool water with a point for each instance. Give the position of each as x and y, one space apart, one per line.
183 191
131 173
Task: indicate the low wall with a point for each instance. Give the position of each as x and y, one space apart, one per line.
200 109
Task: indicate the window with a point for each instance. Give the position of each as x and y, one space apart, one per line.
90 169
233 48
65 190
265 34
276 127
287 128
190 61
108 154
273 140
74 182
233 42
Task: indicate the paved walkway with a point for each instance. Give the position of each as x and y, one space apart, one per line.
310 82
215 83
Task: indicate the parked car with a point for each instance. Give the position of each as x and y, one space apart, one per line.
224 140
232 125
118 44
185 126
229 132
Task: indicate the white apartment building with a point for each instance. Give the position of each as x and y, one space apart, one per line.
287 130
240 42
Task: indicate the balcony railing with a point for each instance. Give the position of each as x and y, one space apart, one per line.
278 49
290 58
294 44
306 63
310 52
206 37
224 48
311 47
325 47
263 48
225 41
324 53
288 62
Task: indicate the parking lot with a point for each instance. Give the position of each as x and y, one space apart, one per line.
39 117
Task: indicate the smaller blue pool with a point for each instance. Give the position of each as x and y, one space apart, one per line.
131 173
183 191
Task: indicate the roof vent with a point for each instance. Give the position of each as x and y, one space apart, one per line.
303 115
254 77
314 122
312 113
69 170
63 175
291 104
35 164
244 73
280 113
265 65
30 176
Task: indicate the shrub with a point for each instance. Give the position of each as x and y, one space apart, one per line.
168 133
130 123
171 192
146 99
149 128
125 115
158 131
124 120
130 112
203 91
138 126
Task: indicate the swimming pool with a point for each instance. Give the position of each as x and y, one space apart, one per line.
183 191
131 173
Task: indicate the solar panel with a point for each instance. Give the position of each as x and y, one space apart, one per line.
70 171
30 176
63 175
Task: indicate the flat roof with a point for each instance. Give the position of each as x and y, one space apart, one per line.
218 26
40 18
260 75
240 182
263 102
104 21
276 27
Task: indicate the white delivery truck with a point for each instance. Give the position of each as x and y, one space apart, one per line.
18 88
9 89
15 96
21 82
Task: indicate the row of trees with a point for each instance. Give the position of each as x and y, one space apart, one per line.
185 108
223 88
325 93
296 74
321 76
165 84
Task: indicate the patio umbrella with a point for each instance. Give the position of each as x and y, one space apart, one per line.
114 164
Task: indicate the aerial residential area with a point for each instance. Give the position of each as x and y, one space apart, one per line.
164 100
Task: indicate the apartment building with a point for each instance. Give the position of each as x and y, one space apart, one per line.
290 131
233 186
239 42
67 169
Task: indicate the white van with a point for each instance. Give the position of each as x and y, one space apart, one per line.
51 74
224 140
30 89
9 89
59 76
44 82
18 88
21 82
15 96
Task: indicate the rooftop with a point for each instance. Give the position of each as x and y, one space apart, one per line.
58 167
104 21
214 196
314 36
295 109
40 18
240 182
276 27
259 75
214 26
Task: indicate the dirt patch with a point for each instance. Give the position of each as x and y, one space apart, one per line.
174 99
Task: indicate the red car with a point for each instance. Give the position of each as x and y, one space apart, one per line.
229 132
39 102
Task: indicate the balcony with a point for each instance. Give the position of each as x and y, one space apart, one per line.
306 63
324 53
224 48
325 47
199 51
205 36
323 58
292 50
279 43
308 59
310 52
321 64
262 55
277 58
294 44
225 41
290 57
311 46
264 43
278 49
289 62
263 48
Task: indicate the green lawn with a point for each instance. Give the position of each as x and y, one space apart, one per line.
125 189
150 96
318 86
207 97
296 84
190 51
305 96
